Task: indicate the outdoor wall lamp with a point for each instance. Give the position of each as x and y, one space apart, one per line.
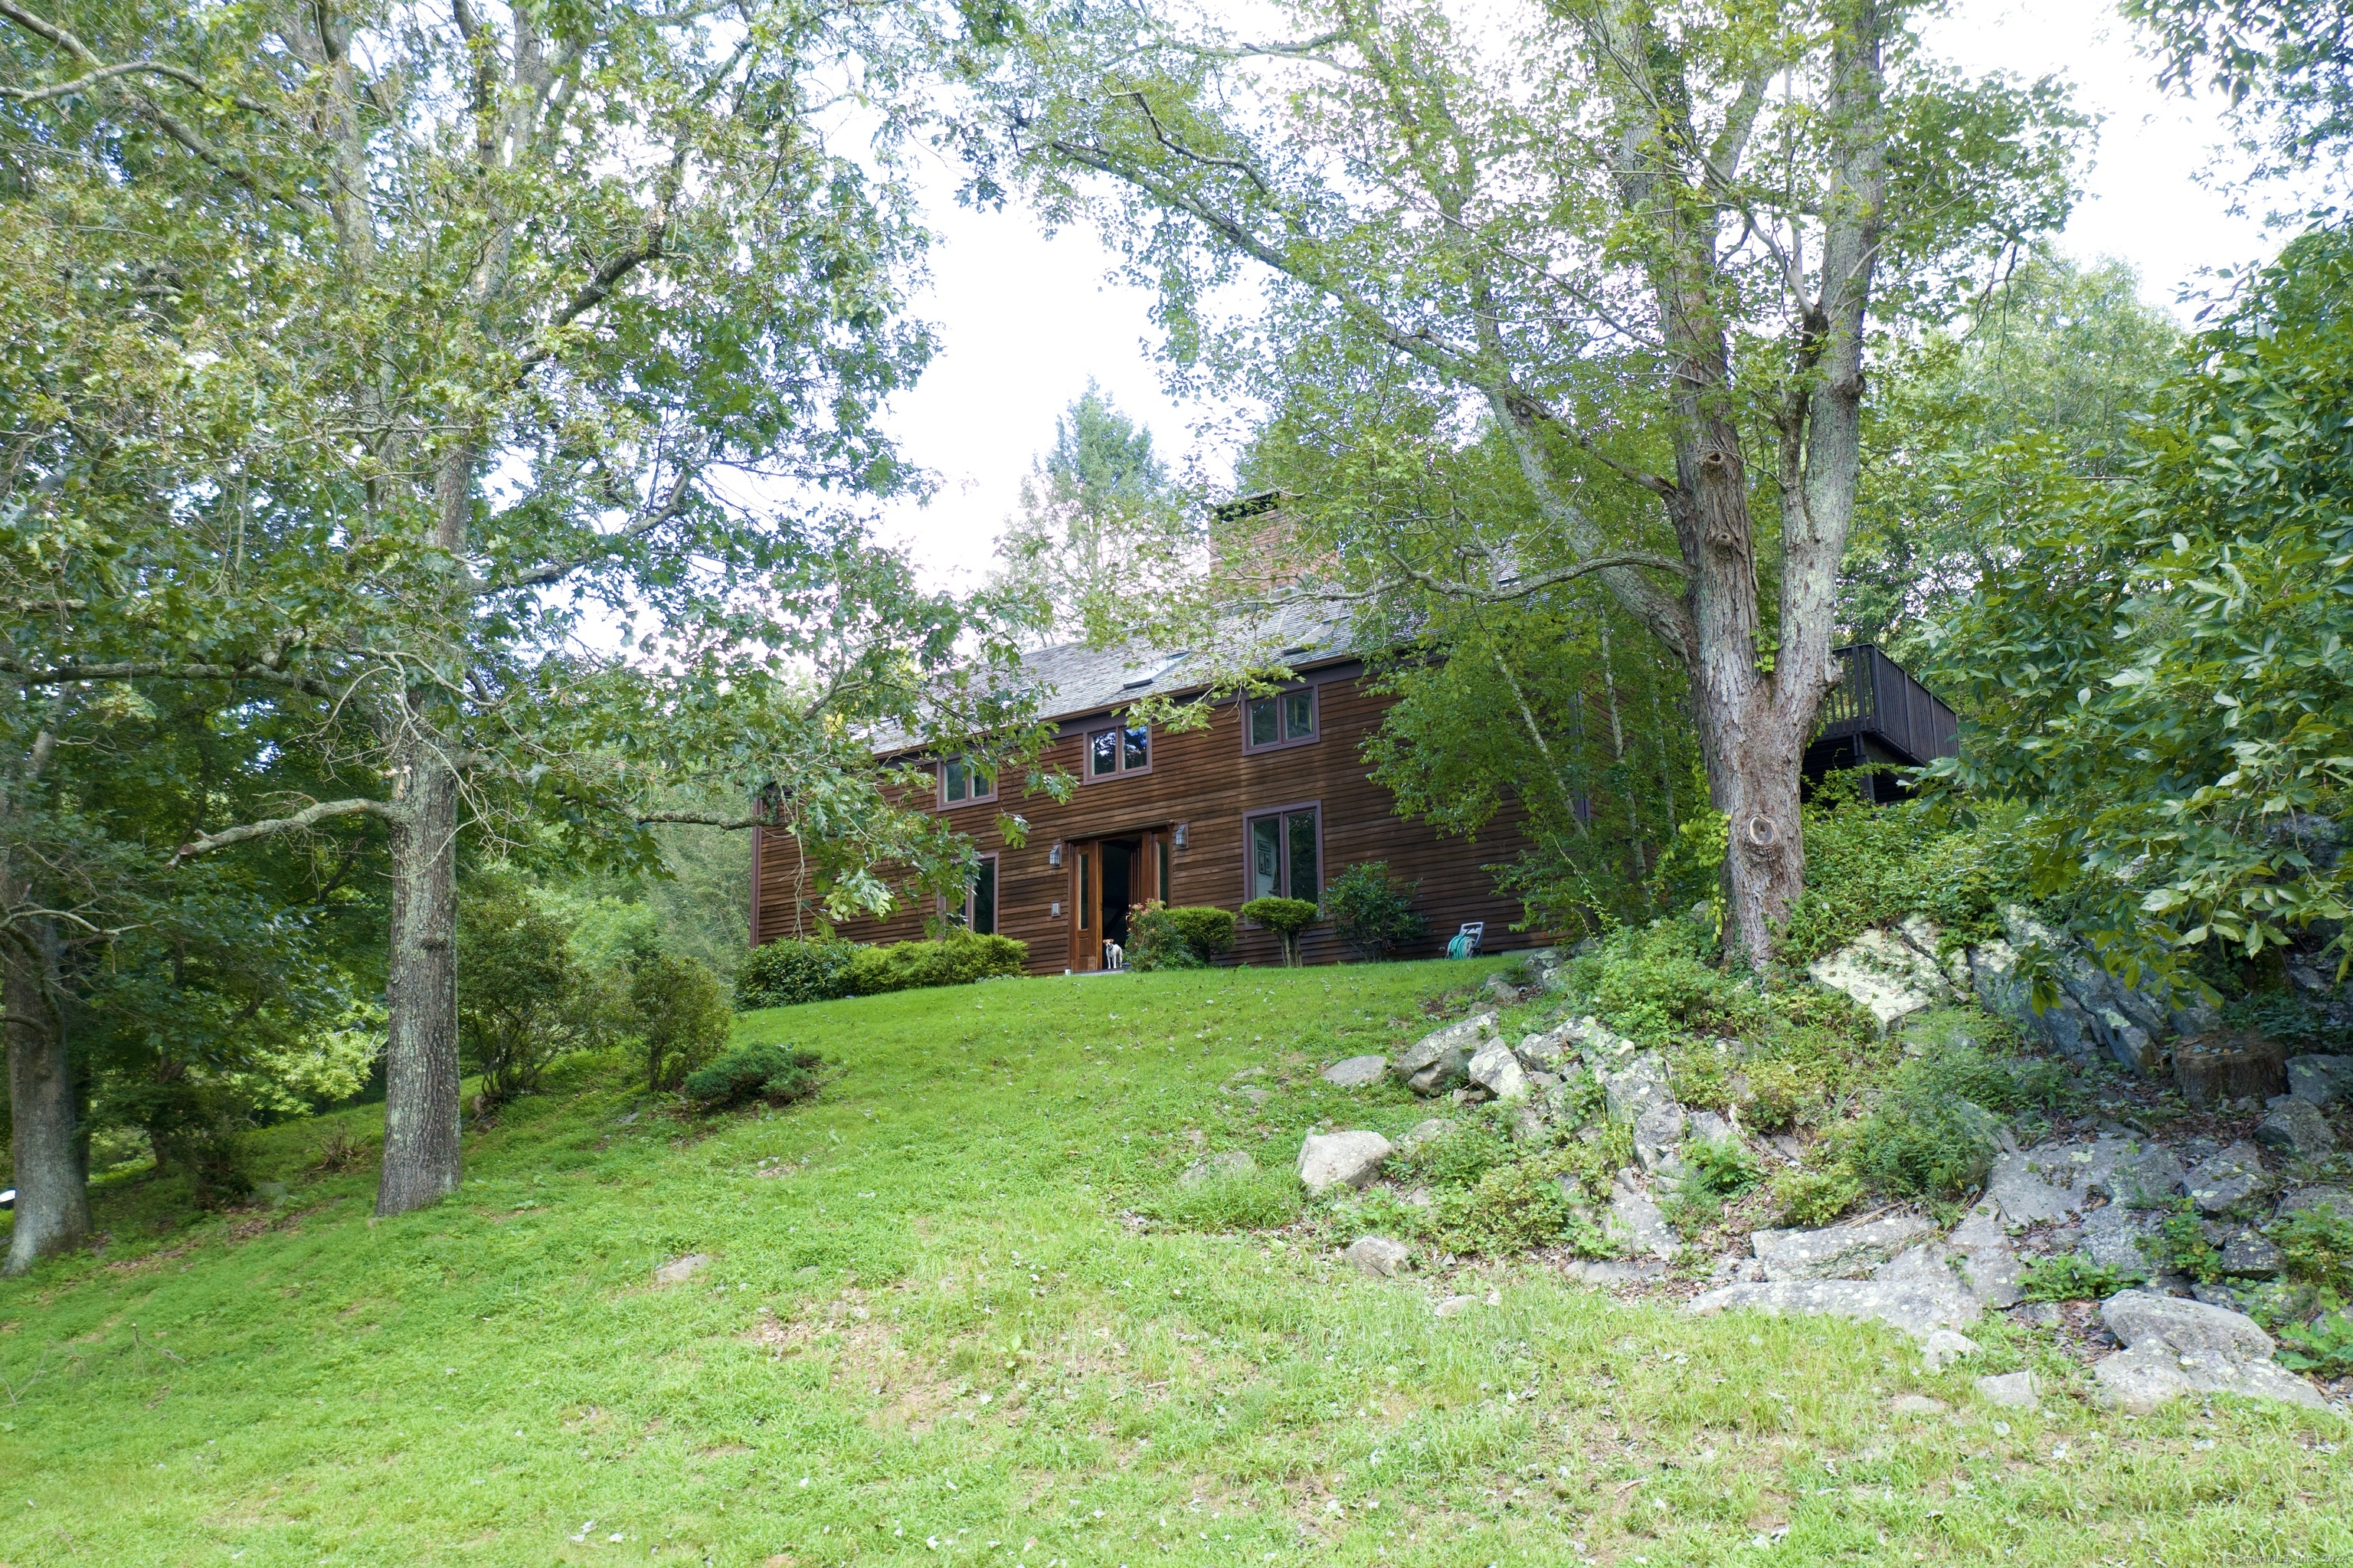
1054 855
1179 834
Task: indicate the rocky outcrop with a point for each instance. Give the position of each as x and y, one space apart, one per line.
1917 1306
1496 1068
2323 1080
1890 974
2228 1178
2295 1128
1896 973
1835 1252
1440 1060
2176 1347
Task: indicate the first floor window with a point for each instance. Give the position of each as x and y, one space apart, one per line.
1283 851
979 914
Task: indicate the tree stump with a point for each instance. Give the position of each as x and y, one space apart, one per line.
2211 1068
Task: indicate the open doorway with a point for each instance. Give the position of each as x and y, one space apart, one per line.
1118 881
1110 878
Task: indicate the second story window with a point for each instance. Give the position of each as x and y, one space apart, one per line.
1286 718
1112 752
961 783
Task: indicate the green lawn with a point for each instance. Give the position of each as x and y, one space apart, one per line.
934 1331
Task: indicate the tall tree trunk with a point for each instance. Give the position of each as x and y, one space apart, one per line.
420 1103
52 1191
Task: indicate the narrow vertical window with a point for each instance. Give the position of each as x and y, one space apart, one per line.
1266 858
1160 883
1264 726
1134 747
959 779
1298 714
983 917
1298 868
1085 912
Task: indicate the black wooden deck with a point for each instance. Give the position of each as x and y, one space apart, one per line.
1878 715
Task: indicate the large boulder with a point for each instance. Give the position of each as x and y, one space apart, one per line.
1378 1257
2175 1347
2112 1237
1635 1223
2295 1127
1835 1252
1889 974
2228 1178
1440 1060
2336 1199
1337 1158
2150 1178
2323 1080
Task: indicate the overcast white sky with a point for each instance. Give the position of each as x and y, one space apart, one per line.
1025 321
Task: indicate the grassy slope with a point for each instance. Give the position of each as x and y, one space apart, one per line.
933 1337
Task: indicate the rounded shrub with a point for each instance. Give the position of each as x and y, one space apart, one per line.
776 1073
1286 918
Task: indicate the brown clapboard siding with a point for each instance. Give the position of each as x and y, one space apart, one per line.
1203 778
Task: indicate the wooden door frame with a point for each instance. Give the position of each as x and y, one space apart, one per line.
1085 955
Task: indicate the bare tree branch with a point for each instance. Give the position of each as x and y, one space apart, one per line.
271 827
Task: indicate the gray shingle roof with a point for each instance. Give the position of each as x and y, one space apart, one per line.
1077 679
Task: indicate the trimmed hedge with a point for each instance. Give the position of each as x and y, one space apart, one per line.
785 974
960 959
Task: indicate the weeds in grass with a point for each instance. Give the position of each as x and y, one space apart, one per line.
340 1150
1251 1200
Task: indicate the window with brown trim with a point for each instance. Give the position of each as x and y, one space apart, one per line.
1283 854
1122 748
978 915
1285 718
962 784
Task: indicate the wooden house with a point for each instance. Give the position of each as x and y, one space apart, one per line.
1270 797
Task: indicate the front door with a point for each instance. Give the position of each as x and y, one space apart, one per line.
1108 878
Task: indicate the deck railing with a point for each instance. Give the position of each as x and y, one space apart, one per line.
1876 696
